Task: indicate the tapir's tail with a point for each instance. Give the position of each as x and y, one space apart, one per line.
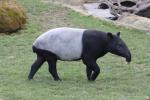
34 49
42 53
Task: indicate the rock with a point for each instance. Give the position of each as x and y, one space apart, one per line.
127 3
138 7
12 16
113 18
103 6
144 12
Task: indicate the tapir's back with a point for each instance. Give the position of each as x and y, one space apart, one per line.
66 43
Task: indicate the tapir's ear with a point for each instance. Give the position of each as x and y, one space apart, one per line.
110 35
118 34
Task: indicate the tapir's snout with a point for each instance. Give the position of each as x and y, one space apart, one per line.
128 57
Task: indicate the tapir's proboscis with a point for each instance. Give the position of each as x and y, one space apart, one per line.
71 44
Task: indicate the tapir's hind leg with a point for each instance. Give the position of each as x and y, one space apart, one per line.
52 68
35 66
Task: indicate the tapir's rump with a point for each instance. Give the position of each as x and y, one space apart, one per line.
66 43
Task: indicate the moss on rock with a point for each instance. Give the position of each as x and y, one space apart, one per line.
12 16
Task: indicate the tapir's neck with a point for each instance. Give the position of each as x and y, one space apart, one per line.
97 41
106 47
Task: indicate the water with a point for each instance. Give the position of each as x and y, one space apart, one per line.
92 8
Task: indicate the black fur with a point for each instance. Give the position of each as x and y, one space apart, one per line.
95 44
42 56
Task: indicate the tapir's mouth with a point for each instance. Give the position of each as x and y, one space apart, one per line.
128 58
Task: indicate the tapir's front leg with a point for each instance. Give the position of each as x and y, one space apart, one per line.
91 66
88 73
96 72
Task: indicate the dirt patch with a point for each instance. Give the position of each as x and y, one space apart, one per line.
69 2
56 17
136 22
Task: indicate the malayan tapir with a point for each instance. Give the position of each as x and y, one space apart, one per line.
70 44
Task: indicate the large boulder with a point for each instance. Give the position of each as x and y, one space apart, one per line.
12 16
138 7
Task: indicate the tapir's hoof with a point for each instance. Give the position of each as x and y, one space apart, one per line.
29 78
91 80
58 79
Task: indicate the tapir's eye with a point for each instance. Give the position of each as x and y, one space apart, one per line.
119 46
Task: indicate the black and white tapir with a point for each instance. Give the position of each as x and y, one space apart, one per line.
69 44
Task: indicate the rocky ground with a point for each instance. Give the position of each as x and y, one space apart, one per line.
128 20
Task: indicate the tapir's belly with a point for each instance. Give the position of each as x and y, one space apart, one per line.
66 43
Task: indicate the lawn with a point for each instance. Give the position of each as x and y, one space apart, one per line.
117 80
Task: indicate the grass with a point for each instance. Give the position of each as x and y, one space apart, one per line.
117 81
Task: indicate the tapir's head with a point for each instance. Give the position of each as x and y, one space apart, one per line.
117 46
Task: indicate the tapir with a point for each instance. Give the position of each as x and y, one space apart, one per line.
71 44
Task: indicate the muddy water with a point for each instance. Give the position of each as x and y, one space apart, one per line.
92 8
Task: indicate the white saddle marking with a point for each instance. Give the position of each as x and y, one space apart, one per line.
65 42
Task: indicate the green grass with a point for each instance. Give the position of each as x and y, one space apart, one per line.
117 81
